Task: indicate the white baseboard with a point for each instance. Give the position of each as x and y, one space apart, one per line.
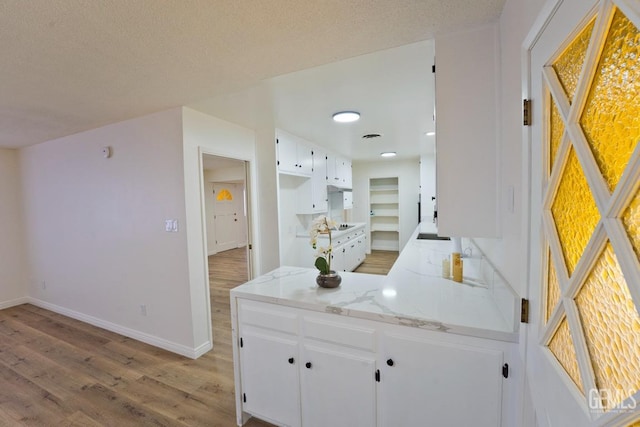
13 302
192 353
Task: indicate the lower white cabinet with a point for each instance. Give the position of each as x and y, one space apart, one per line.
270 376
307 368
429 383
337 388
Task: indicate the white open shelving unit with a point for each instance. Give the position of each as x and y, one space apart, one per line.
384 222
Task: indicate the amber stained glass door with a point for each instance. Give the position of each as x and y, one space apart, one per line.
589 178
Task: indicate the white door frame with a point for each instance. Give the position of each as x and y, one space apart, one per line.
202 151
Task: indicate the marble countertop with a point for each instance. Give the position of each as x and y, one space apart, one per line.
335 233
413 294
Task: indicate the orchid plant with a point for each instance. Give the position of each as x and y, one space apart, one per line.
322 225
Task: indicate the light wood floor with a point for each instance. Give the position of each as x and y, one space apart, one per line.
57 371
378 262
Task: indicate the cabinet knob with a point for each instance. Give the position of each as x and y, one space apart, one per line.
308 365
390 362
291 360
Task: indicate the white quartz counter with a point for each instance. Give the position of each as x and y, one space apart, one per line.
413 294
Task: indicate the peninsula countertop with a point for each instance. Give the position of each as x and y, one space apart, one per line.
412 294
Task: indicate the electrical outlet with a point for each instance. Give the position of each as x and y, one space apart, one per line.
143 309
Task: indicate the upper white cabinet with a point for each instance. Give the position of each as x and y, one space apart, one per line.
320 199
339 171
467 160
294 156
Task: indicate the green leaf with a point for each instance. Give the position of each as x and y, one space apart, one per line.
321 264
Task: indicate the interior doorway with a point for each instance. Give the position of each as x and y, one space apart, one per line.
227 213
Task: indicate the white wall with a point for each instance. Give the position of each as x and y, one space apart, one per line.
408 173
13 270
208 134
467 67
95 228
267 196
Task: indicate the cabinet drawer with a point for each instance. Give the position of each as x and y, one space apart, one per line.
325 330
267 316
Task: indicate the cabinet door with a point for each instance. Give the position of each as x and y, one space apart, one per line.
319 182
287 155
438 384
337 259
337 388
269 371
332 171
305 159
347 202
346 174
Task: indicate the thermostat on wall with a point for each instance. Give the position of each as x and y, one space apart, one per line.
106 152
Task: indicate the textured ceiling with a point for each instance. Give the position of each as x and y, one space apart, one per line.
72 65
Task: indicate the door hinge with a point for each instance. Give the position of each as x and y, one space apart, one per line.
277 141
505 370
378 375
241 342
244 397
433 68
250 246
526 112
524 311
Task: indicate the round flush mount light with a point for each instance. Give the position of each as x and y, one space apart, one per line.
388 154
346 116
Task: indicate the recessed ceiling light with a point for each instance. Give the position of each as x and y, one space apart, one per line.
388 154
346 116
430 133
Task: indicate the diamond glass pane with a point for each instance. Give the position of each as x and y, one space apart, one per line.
553 290
561 345
612 329
611 119
556 131
569 64
574 212
631 222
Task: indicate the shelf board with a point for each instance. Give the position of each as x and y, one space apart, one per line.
383 188
385 227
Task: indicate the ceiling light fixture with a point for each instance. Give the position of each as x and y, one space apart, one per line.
346 116
388 154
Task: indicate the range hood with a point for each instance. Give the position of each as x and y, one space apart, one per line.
336 189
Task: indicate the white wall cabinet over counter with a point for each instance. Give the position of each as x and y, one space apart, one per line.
299 367
294 156
467 160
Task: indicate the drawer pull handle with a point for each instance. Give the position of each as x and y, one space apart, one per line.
308 365
291 360
390 362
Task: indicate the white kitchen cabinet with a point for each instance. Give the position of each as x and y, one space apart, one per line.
294 156
468 162
425 382
339 171
347 200
355 372
269 363
320 199
333 384
338 258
